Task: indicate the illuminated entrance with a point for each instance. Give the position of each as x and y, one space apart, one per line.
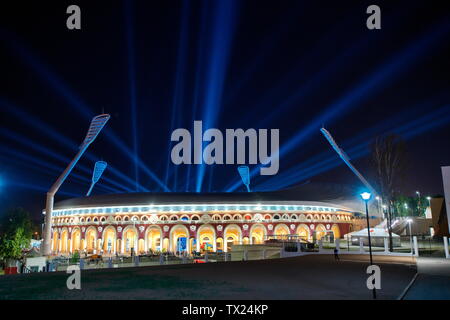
206 236
320 231
153 237
91 239
129 239
76 239
109 240
64 241
178 239
232 235
281 230
257 234
303 232
55 241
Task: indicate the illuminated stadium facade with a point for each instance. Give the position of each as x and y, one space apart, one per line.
149 222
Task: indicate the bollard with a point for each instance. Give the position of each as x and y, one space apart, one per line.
320 245
245 254
386 245
81 263
110 264
361 245
446 247
161 259
206 256
264 254
337 243
416 247
136 261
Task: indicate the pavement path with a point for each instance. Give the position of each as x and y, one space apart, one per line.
307 277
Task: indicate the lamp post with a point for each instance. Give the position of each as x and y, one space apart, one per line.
366 197
418 203
410 235
97 124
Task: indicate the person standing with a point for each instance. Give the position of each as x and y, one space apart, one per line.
336 254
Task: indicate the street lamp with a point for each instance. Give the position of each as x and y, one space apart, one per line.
97 124
410 235
418 203
366 197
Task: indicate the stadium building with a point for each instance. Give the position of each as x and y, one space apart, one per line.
176 222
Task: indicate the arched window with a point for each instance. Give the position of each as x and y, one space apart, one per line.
276 217
195 218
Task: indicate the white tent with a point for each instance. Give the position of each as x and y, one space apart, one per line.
374 232
377 236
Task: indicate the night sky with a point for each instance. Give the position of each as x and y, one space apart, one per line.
159 65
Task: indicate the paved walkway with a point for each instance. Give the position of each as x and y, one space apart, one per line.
433 280
307 277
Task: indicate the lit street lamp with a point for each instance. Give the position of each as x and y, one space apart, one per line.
366 197
418 203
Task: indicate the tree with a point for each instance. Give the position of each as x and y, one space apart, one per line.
389 162
16 230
